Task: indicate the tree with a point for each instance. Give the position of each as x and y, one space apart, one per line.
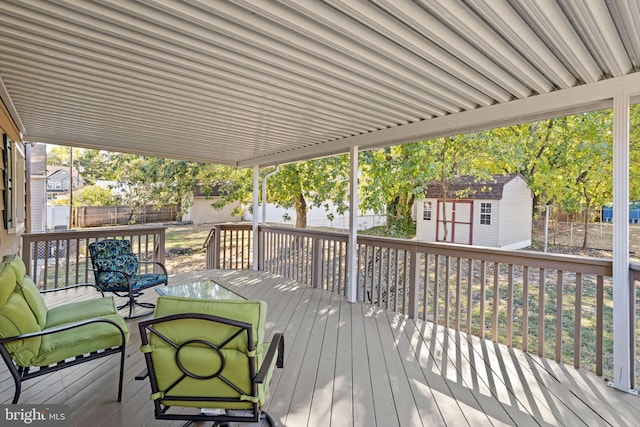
311 183
93 195
393 177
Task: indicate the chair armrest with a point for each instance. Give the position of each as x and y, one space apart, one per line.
277 345
127 277
91 285
66 327
164 269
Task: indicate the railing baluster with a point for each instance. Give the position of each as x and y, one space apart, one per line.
447 287
458 292
559 314
577 334
496 302
541 311
510 306
525 308
599 324
436 289
483 297
469 294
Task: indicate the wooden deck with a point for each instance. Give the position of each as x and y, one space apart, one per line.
355 365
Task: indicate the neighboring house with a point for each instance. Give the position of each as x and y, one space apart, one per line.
118 189
201 211
495 212
38 187
58 181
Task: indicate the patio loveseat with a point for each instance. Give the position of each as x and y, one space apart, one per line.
36 340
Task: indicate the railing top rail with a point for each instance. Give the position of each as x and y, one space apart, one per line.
306 231
209 237
582 264
84 233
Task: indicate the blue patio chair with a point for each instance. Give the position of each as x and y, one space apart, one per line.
115 268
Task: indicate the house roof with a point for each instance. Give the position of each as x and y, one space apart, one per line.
260 83
470 187
206 190
60 170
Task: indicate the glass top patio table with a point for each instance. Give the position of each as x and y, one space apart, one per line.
207 289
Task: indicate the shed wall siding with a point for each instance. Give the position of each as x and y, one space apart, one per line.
486 235
202 213
515 215
426 230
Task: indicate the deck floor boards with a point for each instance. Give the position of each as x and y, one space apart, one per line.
353 365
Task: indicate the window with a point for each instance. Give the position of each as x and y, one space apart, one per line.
485 213
426 211
13 180
49 184
58 185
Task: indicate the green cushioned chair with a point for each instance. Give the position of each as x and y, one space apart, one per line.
209 354
36 340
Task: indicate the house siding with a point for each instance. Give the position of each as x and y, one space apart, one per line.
38 203
9 242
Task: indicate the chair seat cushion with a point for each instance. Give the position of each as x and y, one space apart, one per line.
80 310
143 281
82 340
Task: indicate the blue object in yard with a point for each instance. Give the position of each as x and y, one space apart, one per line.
634 213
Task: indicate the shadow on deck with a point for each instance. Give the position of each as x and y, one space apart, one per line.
356 365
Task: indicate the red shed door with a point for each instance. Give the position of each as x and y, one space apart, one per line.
458 217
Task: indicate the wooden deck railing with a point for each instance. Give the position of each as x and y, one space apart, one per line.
556 306
60 258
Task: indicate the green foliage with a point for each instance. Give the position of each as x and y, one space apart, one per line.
312 183
93 195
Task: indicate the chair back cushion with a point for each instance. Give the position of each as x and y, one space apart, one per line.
27 288
110 257
203 359
16 318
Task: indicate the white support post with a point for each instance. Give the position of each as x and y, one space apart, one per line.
622 294
256 189
352 274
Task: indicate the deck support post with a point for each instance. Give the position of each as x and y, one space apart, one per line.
352 274
623 292
256 189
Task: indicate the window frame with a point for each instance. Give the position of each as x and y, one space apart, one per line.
14 214
486 213
427 210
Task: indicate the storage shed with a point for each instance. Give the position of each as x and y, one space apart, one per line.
494 212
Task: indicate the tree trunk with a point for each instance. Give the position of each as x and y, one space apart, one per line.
301 211
586 225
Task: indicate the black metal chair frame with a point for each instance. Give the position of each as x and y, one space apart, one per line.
23 373
132 294
276 349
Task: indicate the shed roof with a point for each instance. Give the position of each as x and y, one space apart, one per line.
470 187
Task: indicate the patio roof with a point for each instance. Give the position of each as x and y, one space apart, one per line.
257 83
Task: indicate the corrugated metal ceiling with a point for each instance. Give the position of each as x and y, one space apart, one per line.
264 82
